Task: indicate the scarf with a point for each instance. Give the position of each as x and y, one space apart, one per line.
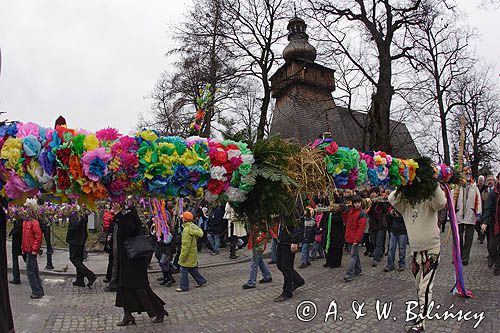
329 232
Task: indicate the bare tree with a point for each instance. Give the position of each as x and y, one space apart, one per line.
481 109
382 25
242 119
441 57
204 58
171 110
255 27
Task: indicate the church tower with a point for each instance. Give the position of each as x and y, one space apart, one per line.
302 89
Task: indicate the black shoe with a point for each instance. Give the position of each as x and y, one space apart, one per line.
79 284
294 287
233 257
374 264
169 283
246 286
465 263
127 320
271 262
160 279
32 296
348 279
281 298
496 271
401 268
109 289
15 282
49 266
490 262
159 318
266 281
105 280
303 265
388 269
91 281
308 264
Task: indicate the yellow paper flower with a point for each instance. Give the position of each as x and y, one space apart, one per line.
32 166
115 164
189 158
91 142
148 155
11 151
148 135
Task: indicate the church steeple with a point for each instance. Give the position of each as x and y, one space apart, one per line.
298 47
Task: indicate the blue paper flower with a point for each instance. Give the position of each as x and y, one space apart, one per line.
31 146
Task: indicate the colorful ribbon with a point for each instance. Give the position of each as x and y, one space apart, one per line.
459 287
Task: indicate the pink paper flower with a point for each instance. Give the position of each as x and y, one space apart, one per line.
95 163
26 129
108 134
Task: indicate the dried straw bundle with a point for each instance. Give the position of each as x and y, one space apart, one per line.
307 168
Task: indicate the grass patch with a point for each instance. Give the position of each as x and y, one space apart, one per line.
59 237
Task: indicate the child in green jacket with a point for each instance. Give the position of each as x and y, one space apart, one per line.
188 259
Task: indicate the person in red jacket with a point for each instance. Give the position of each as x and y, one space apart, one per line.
32 240
355 222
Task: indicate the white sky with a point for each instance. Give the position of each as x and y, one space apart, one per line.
94 61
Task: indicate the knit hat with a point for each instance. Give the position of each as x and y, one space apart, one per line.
187 217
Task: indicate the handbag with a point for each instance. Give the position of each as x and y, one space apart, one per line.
138 247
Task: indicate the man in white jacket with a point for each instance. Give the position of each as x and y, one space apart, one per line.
421 221
469 209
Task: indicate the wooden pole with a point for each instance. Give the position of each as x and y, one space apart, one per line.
460 155
456 191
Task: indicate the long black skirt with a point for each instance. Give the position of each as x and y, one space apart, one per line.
334 257
139 300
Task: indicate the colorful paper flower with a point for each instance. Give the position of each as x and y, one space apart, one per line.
95 163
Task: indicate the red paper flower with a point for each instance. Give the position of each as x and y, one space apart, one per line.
63 181
332 148
63 155
218 157
232 147
216 186
229 167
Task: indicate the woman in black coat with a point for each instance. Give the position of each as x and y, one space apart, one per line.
6 322
17 238
134 293
333 226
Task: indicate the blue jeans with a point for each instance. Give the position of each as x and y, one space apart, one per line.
214 241
256 263
400 242
305 253
354 267
184 283
378 238
317 249
274 252
33 275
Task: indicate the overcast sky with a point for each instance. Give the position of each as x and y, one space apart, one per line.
94 61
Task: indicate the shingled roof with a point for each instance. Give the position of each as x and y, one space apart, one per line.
302 114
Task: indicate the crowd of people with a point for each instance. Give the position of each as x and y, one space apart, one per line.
327 226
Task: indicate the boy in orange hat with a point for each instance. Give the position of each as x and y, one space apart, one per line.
188 259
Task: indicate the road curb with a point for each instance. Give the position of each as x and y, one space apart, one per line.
151 271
